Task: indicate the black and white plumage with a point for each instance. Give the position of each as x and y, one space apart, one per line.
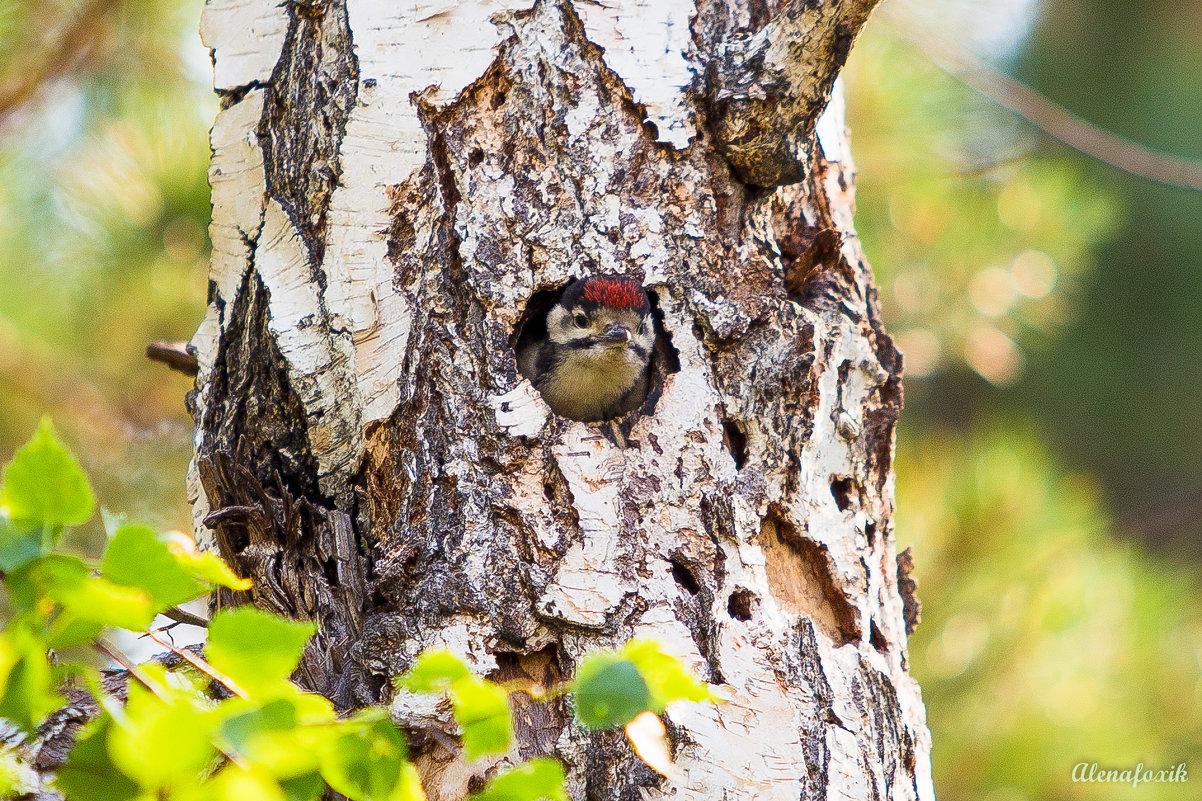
594 361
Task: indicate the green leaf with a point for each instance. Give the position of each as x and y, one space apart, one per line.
666 676
482 711
28 692
609 691
136 557
90 774
204 566
44 484
434 671
257 650
366 761
67 631
19 543
481 707
161 742
280 736
252 783
540 778
303 788
68 581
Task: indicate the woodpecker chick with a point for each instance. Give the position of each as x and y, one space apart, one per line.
594 362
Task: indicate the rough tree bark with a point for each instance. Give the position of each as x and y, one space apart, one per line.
397 188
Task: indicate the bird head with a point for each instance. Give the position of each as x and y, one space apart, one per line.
603 316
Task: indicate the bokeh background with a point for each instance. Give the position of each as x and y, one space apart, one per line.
1050 309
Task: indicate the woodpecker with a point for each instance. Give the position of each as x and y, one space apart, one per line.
593 363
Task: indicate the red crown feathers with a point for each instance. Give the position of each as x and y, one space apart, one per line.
616 293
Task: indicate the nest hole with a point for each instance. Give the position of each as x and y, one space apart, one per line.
532 327
736 442
685 578
740 604
841 491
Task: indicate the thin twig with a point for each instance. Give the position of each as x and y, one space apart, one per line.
201 665
1057 121
175 355
115 654
184 616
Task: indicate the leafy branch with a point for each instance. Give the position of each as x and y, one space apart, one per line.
257 735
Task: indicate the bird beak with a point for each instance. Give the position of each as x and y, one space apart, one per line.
617 334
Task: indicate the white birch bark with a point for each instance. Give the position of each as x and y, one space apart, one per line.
393 182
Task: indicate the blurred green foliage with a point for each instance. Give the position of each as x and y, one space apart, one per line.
104 209
1051 636
1044 641
170 735
1049 307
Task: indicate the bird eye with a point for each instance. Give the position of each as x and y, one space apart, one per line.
581 320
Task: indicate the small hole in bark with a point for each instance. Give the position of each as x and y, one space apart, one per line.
877 639
614 235
685 578
475 157
739 604
870 533
498 99
841 490
736 442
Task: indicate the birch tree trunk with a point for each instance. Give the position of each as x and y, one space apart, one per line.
397 186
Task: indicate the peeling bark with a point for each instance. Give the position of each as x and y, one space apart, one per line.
398 189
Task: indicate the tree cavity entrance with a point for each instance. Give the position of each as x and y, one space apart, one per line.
531 329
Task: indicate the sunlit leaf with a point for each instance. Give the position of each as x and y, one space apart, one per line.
161 742
205 566
27 688
482 711
236 783
90 774
136 557
609 691
535 779
68 630
256 649
366 761
44 483
666 676
434 671
280 736
68 581
650 741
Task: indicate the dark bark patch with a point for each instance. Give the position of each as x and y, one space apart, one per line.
845 492
684 577
877 638
275 538
251 410
907 587
305 111
806 252
735 440
741 604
